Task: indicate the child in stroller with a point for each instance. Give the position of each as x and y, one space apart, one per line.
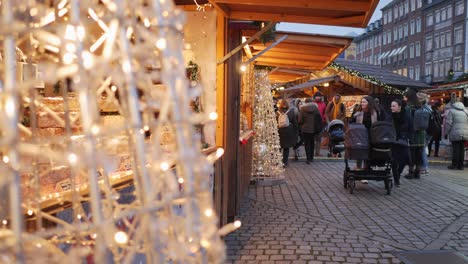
336 138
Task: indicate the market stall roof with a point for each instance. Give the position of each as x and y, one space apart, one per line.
298 54
383 75
348 13
449 86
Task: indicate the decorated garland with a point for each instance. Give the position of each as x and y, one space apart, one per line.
388 89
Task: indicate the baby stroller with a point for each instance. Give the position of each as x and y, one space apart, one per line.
336 138
377 154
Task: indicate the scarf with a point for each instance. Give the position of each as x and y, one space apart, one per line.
336 108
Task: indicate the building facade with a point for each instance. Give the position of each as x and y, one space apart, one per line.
369 44
422 39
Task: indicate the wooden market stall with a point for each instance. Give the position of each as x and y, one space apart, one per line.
231 180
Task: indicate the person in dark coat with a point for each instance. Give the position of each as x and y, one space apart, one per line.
417 138
400 150
436 131
287 135
300 141
311 124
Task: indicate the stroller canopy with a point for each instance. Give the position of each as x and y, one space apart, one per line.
335 122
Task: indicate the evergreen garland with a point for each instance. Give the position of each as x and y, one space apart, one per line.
269 35
387 88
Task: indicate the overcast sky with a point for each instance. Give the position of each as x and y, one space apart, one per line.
328 30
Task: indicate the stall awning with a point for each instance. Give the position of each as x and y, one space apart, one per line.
349 13
401 50
383 55
300 52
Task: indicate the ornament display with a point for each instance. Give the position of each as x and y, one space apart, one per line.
123 58
267 164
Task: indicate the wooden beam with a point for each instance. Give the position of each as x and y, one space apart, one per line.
257 35
291 62
310 38
291 66
325 5
370 12
353 21
292 56
222 10
266 49
299 48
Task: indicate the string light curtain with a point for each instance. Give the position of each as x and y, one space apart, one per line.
116 50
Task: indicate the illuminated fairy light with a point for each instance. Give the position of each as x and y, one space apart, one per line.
72 158
30 212
237 223
164 166
6 159
88 60
180 180
5 222
95 129
243 68
121 237
146 128
68 58
113 88
161 43
209 212
219 152
213 116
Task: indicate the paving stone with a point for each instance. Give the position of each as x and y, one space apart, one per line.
311 218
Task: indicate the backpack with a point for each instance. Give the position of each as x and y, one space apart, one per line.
421 119
283 119
435 123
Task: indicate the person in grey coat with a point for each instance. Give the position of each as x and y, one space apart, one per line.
288 135
311 124
457 130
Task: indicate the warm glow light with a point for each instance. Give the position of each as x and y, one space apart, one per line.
68 58
164 166
126 67
72 158
146 22
79 216
243 68
6 159
180 180
219 152
121 237
113 88
98 43
326 84
30 212
237 223
213 116
62 12
10 107
5 222
88 60
209 212
95 129
146 128
70 47
70 33
204 243
161 43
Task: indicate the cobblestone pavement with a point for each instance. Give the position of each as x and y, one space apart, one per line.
311 218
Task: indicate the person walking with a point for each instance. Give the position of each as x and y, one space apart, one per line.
300 142
287 130
417 138
318 99
311 124
457 130
400 150
424 99
436 131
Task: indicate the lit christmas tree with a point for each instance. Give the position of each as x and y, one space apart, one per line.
266 147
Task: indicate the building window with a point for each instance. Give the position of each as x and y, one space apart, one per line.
400 32
417 72
411 51
449 11
418 25
411 72
389 37
402 12
457 64
417 48
448 37
405 30
459 8
390 14
428 69
428 44
436 69
384 17
442 40
395 34
406 7
413 5
441 68
437 16
443 15
419 3
448 65
384 40
395 12
436 41
429 20
458 35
